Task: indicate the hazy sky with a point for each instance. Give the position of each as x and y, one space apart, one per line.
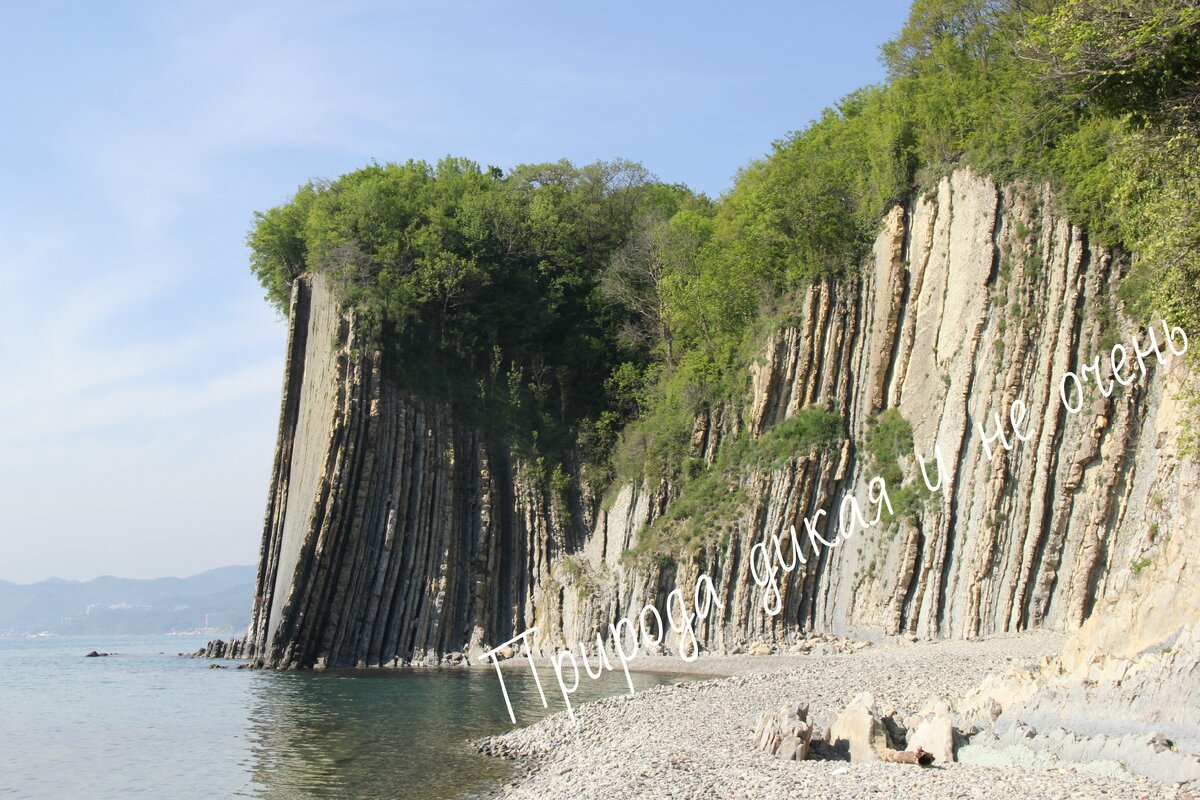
139 367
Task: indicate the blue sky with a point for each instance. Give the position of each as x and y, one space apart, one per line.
139 367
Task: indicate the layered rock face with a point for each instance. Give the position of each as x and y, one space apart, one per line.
391 532
1127 687
397 532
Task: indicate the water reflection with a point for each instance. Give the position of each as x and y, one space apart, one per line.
402 734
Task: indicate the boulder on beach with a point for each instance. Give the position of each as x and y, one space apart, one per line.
785 733
932 729
859 732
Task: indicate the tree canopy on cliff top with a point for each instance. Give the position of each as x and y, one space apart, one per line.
593 296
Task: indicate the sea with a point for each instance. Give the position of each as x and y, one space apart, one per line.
148 722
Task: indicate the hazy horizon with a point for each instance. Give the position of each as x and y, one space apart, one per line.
185 576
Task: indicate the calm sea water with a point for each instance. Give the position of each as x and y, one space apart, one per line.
147 723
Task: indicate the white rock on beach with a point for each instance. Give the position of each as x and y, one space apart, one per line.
859 730
932 729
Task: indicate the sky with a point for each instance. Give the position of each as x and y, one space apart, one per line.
140 368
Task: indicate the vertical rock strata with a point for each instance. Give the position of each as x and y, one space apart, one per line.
396 532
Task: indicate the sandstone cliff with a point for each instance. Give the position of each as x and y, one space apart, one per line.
1127 687
396 531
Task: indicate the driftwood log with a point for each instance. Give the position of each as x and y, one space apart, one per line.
919 756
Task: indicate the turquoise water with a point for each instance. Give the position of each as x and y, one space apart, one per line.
147 723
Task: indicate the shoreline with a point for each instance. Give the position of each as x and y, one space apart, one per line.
694 739
724 665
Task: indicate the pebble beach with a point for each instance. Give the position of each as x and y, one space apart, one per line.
694 739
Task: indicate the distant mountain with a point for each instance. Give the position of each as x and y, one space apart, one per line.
218 599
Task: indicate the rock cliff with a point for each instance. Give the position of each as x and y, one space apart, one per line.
397 531
1127 688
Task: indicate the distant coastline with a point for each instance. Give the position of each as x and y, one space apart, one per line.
215 603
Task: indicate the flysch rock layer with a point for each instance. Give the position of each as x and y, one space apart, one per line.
1126 689
397 533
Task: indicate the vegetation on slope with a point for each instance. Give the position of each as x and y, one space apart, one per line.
711 497
488 285
594 304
